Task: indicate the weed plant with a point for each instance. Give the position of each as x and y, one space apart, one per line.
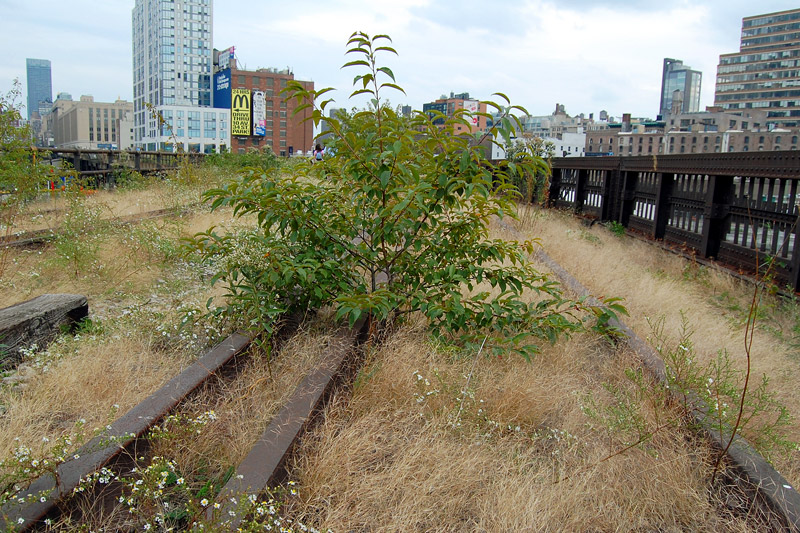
394 222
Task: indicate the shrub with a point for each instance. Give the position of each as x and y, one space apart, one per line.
394 221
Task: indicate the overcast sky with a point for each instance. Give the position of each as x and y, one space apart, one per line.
586 55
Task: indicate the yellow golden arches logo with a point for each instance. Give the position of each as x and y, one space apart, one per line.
240 112
241 101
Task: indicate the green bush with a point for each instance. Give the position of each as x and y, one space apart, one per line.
394 221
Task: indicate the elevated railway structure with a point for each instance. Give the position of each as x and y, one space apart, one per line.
100 166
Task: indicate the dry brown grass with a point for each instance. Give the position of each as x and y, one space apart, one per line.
128 261
385 462
656 283
156 193
91 378
136 291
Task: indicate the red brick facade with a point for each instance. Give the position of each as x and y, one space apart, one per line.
286 132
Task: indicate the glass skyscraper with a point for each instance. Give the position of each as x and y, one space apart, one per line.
172 62
40 84
765 73
679 77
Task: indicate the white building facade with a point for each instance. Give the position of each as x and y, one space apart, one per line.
172 71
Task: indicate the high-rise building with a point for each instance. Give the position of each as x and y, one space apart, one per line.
679 81
764 73
172 68
40 84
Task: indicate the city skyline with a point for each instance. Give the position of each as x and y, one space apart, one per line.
587 56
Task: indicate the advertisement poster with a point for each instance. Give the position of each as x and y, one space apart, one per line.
222 89
471 106
240 112
259 114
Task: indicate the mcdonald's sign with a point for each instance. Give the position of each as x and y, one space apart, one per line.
240 112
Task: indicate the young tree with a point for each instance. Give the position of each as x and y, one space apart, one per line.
394 221
20 173
532 186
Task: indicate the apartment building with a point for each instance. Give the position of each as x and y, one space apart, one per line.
172 69
765 72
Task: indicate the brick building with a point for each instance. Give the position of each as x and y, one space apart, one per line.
284 132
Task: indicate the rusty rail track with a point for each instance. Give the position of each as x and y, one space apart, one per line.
53 487
263 465
36 237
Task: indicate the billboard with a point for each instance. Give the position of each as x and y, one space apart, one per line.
240 112
471 106
259 114
227 57
222 89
